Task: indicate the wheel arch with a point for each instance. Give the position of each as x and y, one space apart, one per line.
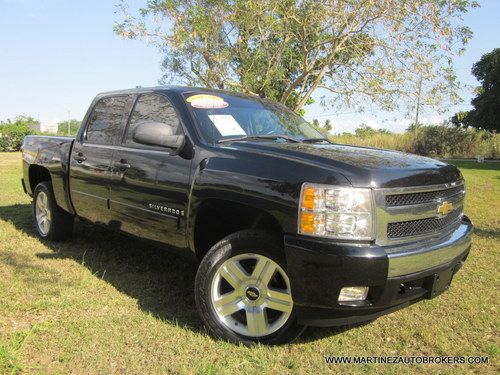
217 218
37 174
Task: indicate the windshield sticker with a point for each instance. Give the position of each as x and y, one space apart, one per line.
226 125
207 101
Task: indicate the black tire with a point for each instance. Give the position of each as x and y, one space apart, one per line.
242 242
60 225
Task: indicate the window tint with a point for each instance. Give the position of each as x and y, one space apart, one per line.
149 108
105 124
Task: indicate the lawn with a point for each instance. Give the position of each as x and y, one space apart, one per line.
105 303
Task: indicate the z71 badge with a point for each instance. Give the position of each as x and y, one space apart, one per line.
167 210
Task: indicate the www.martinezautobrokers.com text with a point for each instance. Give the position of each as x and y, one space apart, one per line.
408 360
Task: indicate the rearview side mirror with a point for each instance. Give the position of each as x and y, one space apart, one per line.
158 134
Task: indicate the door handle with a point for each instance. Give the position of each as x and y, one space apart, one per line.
122 164
79 157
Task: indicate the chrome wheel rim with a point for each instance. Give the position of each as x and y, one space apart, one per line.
42 213
251 295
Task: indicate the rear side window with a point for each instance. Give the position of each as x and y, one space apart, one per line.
152 108
105 124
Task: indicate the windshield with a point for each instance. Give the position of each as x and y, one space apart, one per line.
222 117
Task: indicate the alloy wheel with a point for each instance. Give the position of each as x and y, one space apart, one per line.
43 213
251 295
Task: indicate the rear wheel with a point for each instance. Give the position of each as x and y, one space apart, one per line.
51 222
243 291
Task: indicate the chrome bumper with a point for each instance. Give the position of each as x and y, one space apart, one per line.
426 255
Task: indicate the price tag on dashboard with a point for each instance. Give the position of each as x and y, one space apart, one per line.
227 125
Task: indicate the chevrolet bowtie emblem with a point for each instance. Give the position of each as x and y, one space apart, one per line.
445 208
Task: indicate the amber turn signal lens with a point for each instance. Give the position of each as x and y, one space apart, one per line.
308 197
307 224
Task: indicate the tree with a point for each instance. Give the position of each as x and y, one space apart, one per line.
327 126
459 119
62 127
21 120
413 127
360 51
315 124
364 131
384 131
486 112
12 133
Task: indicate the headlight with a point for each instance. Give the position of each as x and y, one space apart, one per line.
336 212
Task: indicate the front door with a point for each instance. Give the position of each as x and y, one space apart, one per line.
149 187
90 164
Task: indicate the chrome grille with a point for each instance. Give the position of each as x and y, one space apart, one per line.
416 227
411 213
423 197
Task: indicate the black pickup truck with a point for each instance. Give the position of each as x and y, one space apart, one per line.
290 229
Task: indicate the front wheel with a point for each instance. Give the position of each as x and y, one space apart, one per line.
243 292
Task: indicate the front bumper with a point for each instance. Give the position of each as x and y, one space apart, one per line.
397 275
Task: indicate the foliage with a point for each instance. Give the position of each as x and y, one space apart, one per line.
364 131
62 127
21 120
325 129
412 127
430 140
486 112
327 126
12 133
460 119
360 51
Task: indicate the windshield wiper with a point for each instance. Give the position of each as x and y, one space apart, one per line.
315 140
257 136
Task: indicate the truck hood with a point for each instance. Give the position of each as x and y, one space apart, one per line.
362 166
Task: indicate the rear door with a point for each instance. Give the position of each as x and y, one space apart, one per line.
90 164
149 187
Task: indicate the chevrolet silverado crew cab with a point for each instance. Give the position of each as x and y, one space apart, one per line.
290 230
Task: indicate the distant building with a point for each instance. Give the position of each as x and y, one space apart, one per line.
35 127
44 128
48 128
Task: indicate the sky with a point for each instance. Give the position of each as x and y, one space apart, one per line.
56 55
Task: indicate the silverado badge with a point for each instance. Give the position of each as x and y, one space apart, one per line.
445 208
167 210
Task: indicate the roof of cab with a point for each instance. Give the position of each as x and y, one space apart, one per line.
176 89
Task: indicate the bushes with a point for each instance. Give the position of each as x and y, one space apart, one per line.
11 136
401 142
446 141
432 140
13 133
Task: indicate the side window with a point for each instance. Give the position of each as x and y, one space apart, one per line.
152 107
105 124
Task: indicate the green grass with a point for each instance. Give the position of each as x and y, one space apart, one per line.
104 303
